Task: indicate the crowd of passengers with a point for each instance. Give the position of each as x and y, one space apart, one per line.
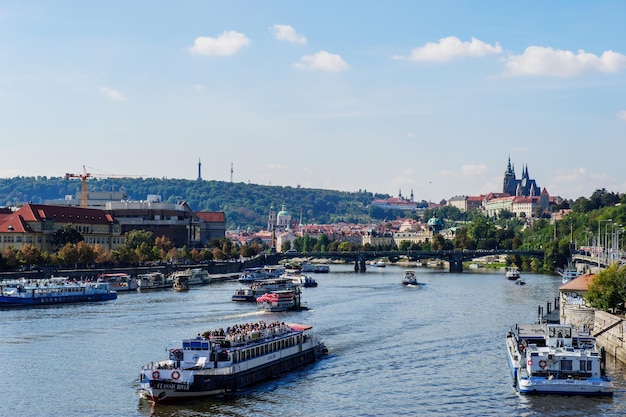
243 332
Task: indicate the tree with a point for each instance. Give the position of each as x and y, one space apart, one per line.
66 234
135 238
30 255
607 289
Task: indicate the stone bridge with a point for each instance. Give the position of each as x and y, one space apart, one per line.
455 258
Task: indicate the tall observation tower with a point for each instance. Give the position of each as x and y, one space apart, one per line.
199 170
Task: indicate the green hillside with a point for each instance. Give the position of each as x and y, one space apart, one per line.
245 205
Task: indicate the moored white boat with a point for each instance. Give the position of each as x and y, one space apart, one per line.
195 276
53 291
568 273
181 283
250 275
222 361
556 359
302 280
119 281
153 280
265 286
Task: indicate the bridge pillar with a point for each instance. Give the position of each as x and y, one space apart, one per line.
456 263
362 264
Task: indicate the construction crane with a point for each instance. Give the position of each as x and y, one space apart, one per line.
83 178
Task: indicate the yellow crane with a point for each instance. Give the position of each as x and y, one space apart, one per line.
83 179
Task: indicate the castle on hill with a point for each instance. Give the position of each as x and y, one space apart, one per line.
523 187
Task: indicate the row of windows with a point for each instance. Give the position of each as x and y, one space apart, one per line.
265 349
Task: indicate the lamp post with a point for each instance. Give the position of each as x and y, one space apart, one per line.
598 251
615 231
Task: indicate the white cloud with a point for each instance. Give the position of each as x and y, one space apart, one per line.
474 170
112 94
621 114
322 60
451 48
228 43
288 33
538 60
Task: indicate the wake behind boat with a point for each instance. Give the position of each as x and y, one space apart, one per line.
556 359
222 361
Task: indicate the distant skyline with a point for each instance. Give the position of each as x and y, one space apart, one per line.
429 96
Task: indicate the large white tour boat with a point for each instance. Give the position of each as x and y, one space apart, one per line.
194 276
119 281
153 280
222 361
556 359
265 286
53 291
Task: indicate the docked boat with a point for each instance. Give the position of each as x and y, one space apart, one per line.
119 281
380 263
273 271
285 300
181 283
410 279
307 267
219 361
512 273
258 288
556 359
304 281
250 275
321 269
153 280
53 291
195 276
568 273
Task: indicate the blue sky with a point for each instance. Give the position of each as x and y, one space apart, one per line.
429 96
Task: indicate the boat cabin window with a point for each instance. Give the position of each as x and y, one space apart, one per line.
586 366
195 345
566 365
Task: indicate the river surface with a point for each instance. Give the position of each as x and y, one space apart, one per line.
393 351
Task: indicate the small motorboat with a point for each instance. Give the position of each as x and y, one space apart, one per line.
520 282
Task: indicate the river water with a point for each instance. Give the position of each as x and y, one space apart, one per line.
434 350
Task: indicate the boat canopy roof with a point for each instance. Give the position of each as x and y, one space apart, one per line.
300 327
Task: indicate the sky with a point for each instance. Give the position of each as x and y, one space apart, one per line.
390 97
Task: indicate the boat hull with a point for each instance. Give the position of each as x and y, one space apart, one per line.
37 301
591 387
536 370
205 384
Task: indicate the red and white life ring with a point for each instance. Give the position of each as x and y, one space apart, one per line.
175 375
543 364
156 375
530 362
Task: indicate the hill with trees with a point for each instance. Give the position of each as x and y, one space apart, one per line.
245 205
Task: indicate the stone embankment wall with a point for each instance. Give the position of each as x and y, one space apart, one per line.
612 339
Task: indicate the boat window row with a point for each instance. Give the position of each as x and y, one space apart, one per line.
264 349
